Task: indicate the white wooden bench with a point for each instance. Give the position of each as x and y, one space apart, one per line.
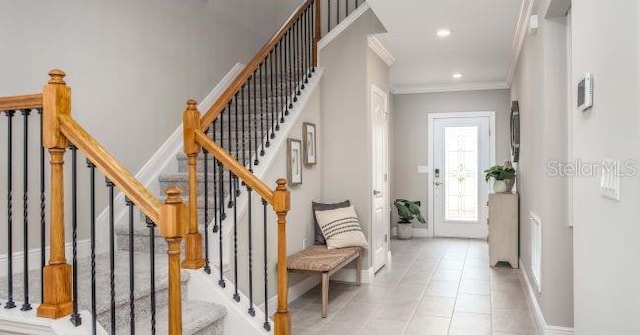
318 259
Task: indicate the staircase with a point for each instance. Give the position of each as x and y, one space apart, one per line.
141 285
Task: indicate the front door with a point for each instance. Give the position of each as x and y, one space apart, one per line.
461 154
380 192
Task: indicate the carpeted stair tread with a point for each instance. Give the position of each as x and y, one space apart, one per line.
201 318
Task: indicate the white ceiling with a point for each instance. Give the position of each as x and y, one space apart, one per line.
480 44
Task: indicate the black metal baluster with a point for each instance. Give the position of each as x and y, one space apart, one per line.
274 96
236 295
337 12
132 283
152 264
267 99
221 218
254 114
230 150
244 129
76 320
296 55
249 121
10 303
267 325
282 97
215 181
306 43
299 55
312 38
251 311
205 162
92 220
237 135
221 180
112 257
42 211
289 54
25 207
346 8
262 112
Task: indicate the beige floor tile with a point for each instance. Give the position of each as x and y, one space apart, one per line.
402 311
304 331
406 293
371 294
436 306
355 313
470 324
428 325
451 264
308 318
473 303
476 273
447 275
513 321
443 288
416 278
508 300
384 327
473 286
337 328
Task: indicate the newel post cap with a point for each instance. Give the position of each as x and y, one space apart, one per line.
57 77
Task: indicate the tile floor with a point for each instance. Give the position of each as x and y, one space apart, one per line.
434 286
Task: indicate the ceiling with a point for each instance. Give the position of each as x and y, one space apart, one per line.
479 47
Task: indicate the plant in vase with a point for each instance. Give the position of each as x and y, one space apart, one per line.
503 178
407 212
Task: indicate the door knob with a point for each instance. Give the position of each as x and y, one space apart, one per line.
437 183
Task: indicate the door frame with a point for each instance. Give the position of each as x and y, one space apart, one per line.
432 117
387 190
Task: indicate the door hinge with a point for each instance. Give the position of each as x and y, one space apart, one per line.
386 177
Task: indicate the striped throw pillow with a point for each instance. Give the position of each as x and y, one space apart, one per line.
341 228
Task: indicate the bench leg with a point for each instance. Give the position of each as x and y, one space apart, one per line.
358 270
325 294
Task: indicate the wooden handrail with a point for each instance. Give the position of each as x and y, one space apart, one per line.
232 164
111 168
253 65
21 102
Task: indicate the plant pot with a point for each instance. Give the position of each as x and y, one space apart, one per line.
499 186
405 230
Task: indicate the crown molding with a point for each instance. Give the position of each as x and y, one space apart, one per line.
381 50
458 87
520 36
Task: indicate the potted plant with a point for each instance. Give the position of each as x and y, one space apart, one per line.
503 177
407 212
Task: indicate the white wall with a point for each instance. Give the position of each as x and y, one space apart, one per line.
345 135
605 42
410 135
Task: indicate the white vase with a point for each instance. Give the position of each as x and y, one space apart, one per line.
499 186
405 231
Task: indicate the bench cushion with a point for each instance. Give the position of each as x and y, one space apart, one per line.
318 258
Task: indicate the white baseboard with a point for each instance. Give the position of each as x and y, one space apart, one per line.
342 26
348 275
160 160
15 322
544 328
84 250
419 232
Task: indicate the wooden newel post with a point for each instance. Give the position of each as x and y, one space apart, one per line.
173 226
317 33
191 122
56 301
281 205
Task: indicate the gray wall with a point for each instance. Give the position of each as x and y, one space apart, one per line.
605 42
345 135
410 135
131 66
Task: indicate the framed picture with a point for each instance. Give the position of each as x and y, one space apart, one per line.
294 161
309 142
515 131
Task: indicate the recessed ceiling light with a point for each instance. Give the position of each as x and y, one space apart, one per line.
457 75
443 33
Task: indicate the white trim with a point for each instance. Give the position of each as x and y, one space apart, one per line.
160 160
492 152
521 33
376 46
84 250
474 86
15 321
348 275
422 232
544 328
342 26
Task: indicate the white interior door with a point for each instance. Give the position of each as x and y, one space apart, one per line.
380 192
462 151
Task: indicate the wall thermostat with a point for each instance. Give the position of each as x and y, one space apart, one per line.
585 92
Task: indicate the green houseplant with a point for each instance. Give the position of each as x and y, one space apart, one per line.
503 177
407 212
